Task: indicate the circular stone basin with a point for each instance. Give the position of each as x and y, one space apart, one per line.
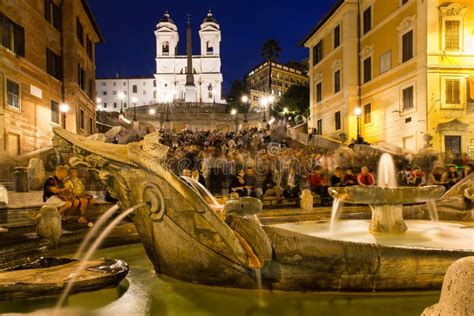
420 234
379 195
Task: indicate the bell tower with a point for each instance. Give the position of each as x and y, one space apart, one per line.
167 37
210 35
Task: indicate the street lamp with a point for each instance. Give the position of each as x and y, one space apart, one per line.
264 103
64 108
152 112
358 112
245 100
234 112
168 99
121 96
134 101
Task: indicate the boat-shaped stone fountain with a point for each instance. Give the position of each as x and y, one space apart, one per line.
188 237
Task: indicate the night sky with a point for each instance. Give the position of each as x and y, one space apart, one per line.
128 28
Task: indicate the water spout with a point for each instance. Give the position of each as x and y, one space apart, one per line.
204 193
386 175
102 219
433 211
90 252
335 214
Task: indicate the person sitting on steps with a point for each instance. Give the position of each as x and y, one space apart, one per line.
55 193
75 185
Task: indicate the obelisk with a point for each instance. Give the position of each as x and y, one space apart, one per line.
190 91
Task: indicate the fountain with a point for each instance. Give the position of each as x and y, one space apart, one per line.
386 200
188 238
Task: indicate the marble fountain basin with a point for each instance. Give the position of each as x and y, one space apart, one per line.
380 195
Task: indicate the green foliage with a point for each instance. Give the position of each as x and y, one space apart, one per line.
296 99
271 50
234 98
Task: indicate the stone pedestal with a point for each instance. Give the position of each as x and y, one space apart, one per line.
387 219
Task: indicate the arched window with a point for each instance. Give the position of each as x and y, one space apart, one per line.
209 48
166 48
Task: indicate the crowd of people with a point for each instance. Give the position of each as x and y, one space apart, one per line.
251 163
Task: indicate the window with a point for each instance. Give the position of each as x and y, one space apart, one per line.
104 83
134 88
404 2
81 119
125 105
337 36
319 127
319 91
91 126
54 112
13 94
81 77
105 105
407 46
115 105
209 48
154 94
337 120
165 49
114 92
408 98
385 62
90 88
104 93
453 91
144 92
367 20
154 83
367 113
89 48
337 81
53 64
367 69
52 14
79 31
317 53
13 36
452 35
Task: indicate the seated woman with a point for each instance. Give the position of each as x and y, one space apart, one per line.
75 185
55 193
238 183
270 188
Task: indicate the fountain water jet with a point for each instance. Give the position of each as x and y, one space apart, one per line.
335 213
98 224
90 252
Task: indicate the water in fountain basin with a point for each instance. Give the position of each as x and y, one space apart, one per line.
386 175
98 224
335 213
90 252
433 210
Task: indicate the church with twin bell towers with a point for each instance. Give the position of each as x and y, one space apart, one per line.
188 78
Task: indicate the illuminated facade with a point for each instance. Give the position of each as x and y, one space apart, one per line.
410 69
283 77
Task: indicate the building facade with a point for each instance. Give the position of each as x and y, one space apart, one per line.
47 71
283 77
169 81
407 69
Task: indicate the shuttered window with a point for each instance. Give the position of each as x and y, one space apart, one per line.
317 53
319 92
337 36
53 64
453 91
13 36
408 98
54 112
13 94
367 69
367 113
407 46
452 35
337 81
337 120
367 20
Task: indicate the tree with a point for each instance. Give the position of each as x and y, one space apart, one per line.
234 98
270 52
296 99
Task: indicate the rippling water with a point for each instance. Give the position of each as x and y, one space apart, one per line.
143 293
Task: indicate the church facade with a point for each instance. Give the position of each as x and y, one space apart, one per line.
180 78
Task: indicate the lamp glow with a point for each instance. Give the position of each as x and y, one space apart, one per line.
121 95
134 100
264 101
233 112
245 99
358 111
285 110
98 100
271 99
152 111
64 108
